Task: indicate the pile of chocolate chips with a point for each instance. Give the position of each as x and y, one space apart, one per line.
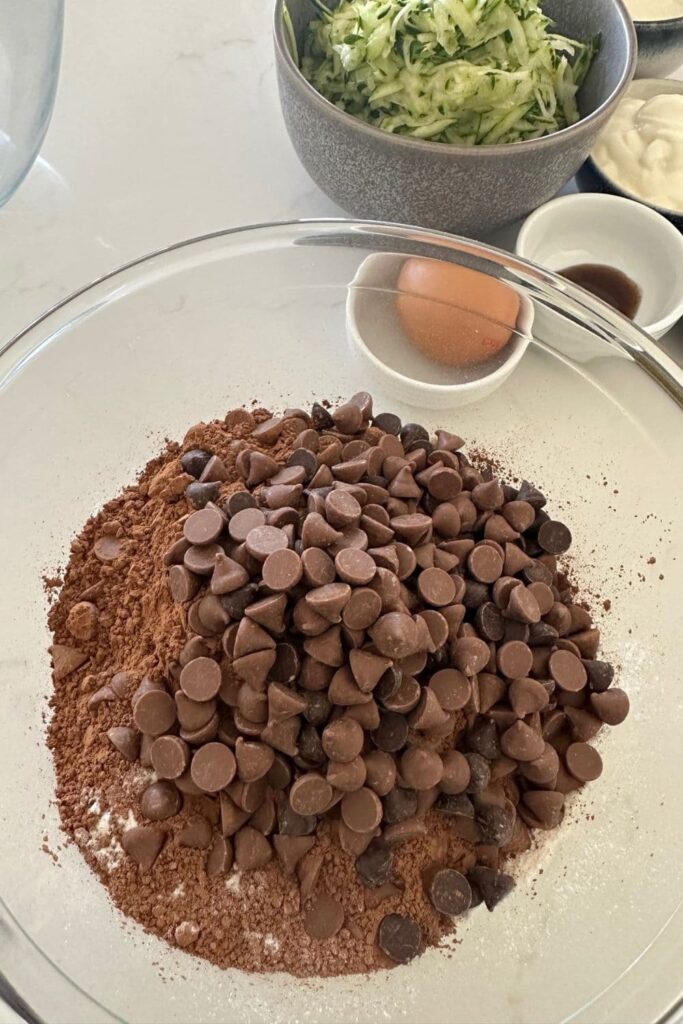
375 630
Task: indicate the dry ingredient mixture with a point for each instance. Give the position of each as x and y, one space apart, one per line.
317 679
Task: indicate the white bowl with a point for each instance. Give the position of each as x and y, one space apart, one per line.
621 233
381 345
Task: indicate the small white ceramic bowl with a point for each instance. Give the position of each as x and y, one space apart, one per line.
395 364
620 233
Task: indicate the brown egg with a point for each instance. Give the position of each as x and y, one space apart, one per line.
452 314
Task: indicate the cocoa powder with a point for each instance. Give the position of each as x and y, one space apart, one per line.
122 619
250 920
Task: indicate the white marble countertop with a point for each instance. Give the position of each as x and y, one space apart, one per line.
155 138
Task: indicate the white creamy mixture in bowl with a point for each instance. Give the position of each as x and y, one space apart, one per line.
641 150
655 10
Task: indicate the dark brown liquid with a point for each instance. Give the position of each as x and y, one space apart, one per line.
608 284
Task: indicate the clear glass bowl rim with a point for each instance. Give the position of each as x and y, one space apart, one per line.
565 298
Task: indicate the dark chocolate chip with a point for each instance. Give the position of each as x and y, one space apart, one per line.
320 417
527 492
497 823
238 601
392 732
542 634
310 748
482 738
318 708
238 501
399 937
194 461
517 631
292 824
455 805
600 674
480 772
160 800
374 866
412 432
399 805
476 594
489 622
388 685
493 885
388 422
199 495
554 537
450 892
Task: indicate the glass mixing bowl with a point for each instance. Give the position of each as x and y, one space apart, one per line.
594 932
30 52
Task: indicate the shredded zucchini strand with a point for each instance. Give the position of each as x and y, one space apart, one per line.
471 72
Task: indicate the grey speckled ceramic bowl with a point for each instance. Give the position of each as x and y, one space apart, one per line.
660 47
471 190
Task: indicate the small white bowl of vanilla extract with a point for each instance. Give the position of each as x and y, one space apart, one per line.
619 250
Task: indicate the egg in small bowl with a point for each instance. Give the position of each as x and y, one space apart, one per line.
435 332
453 315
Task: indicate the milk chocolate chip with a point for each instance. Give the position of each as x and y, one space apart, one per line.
323 917
143 844
213 767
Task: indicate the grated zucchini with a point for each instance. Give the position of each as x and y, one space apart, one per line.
465 72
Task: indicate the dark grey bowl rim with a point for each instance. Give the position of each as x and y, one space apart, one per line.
473 152
665 211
